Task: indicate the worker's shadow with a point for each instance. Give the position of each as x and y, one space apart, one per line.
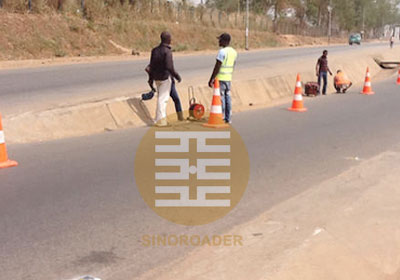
140 109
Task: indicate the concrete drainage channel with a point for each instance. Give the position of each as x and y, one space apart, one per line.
266 87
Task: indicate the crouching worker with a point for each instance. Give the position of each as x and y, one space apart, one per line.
341 83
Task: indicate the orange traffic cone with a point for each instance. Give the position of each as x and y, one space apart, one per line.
4 161
297 105
367 85
215 120
398 78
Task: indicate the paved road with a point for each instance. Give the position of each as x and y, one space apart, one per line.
25 89
72 207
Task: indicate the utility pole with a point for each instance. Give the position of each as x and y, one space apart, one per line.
247 25
363 22
363 18
330 22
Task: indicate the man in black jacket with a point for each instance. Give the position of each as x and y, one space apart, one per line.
173 93
161 71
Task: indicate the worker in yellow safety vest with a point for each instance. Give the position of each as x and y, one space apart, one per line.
223 70
341 82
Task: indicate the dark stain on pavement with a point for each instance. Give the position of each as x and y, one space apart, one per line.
98 257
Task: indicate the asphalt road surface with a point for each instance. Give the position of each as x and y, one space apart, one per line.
22 90
72 207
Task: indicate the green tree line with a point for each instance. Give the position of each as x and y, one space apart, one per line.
347 15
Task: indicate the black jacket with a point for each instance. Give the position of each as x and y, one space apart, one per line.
161 64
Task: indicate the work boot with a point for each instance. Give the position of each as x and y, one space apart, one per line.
180 116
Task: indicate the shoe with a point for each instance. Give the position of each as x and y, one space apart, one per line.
180 116
162 123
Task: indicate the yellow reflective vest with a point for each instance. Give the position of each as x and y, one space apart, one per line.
226 70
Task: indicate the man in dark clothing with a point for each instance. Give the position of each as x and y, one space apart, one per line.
322 70
161 71
173 93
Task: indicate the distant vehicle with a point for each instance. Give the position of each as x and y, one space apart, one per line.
355 39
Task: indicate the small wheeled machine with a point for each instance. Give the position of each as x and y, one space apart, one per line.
196 110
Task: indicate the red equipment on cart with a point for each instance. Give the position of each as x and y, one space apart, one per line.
196 110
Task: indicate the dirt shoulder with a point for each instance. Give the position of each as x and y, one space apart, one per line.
344 228
54 39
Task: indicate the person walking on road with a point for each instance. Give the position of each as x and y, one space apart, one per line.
162 71
322 70
391 41
223 70
173 94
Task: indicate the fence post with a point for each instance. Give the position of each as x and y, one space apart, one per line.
1 3
83 8
178 13
30 5
247 26
203 10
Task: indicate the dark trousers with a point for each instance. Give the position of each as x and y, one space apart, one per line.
173 93
226 100
324 76
175 97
